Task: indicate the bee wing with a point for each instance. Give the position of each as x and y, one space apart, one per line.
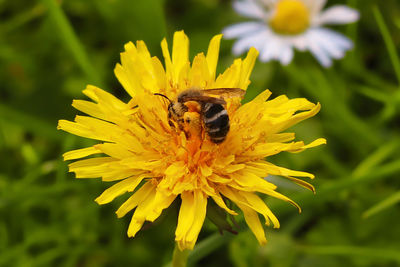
226 92
202 99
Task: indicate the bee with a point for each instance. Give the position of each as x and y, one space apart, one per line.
196 110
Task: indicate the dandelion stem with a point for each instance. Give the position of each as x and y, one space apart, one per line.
179 257
208 245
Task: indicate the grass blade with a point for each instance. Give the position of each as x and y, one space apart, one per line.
352 251
384 204
71 41
390 46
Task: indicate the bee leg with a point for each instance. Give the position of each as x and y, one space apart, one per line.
171 124
181 127
187 134
202 134
176 127
203 130
180 124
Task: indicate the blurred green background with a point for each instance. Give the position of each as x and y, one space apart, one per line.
50 50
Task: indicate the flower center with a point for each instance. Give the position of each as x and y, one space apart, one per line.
290 17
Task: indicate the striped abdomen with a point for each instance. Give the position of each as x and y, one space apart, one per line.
216 121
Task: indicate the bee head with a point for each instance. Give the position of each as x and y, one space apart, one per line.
175 109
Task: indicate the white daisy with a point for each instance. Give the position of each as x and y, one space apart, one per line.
282 25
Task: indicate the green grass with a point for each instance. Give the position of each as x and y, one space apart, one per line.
49 52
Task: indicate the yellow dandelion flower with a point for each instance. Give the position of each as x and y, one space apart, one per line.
149 154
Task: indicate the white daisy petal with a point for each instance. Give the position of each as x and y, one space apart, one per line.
327 44
338 14
249 8
321 56
315 7
286 55
271 49
339 39
242 29
256 40
266 51
299 42
318 52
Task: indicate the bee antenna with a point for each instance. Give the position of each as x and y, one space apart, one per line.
164 97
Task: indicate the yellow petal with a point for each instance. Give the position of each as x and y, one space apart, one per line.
138 197
110 171
161 202
90 128
276 170
217 179
139 215
105 98
233 168
185 218
180 54
220 202
231 76
191 218
79 129
212 55
300 117
87 164
317 142
260 206
159 74
263 150
200 202
119 188
275 194
124 78
205 170
89 108
167 60
199 74
80 153
247 67
134 226
252 201
281 137
302 183
114 150
252 181
253 221
172 175
118 173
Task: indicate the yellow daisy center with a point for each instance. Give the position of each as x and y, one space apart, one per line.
290 17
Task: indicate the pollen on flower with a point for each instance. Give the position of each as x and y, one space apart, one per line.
157 159
290 17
